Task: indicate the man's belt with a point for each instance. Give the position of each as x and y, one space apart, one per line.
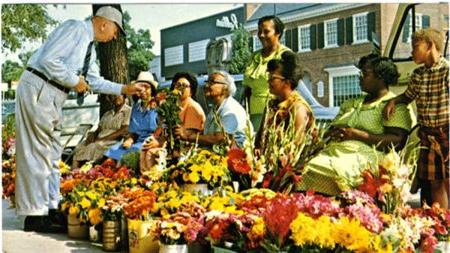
43 77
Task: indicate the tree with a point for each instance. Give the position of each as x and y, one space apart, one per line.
240 52
24 23
11 70
139 54
113 60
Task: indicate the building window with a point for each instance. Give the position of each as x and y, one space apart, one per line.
173 56
360 27
409 25
256 43
304 38
345 87
331 33
197 50
343 84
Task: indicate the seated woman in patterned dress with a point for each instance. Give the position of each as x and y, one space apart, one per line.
359 133
112 128
288 104
143 120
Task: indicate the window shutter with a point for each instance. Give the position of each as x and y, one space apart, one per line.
371 23
406 28
321 36
288 34
340 31
349 30
313 36
295 39
250 43
425 21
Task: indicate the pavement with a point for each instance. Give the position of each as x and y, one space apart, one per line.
15 240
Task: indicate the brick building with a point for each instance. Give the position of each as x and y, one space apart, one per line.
330 39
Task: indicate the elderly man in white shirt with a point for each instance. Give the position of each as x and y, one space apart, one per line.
53 70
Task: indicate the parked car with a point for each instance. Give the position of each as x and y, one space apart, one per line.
321 112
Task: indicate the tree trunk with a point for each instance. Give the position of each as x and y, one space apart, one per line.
113 60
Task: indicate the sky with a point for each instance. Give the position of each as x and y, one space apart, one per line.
152 16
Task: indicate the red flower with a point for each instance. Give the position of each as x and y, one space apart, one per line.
237 162
267 179
372 184
108 163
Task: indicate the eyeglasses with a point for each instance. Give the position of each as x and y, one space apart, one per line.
181 86
275 76
209 83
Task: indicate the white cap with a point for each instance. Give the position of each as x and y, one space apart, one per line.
145 76
111 14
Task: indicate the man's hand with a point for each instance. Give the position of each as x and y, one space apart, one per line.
127 143
135 89
389 109
82 86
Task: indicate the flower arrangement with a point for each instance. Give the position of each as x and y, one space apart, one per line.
9 160
201 167
141 203
168 111
390 185
171 202
8 179
85 203
184 226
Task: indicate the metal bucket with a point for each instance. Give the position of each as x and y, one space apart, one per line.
75 229
111 235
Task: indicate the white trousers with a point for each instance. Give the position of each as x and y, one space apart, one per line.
38 128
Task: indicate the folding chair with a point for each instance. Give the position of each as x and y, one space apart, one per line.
82 130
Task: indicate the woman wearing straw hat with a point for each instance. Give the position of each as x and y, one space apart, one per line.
143 120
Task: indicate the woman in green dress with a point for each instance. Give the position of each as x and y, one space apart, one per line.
359 133
270 31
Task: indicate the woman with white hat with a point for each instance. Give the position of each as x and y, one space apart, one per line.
143 120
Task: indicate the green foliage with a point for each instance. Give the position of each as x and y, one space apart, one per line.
11 70
131 160
24 23
241 51
139 46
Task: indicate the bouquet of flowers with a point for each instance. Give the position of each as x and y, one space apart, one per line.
184 226
390 185
202 167
168 112
85 203
141 203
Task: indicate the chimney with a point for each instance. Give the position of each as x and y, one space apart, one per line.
249 9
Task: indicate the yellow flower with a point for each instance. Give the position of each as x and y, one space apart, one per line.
85 203
207 173
323 230
64 206
95 216
303 232
351 235
73 210
195 168
91 195
258 229
194 177
101 203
